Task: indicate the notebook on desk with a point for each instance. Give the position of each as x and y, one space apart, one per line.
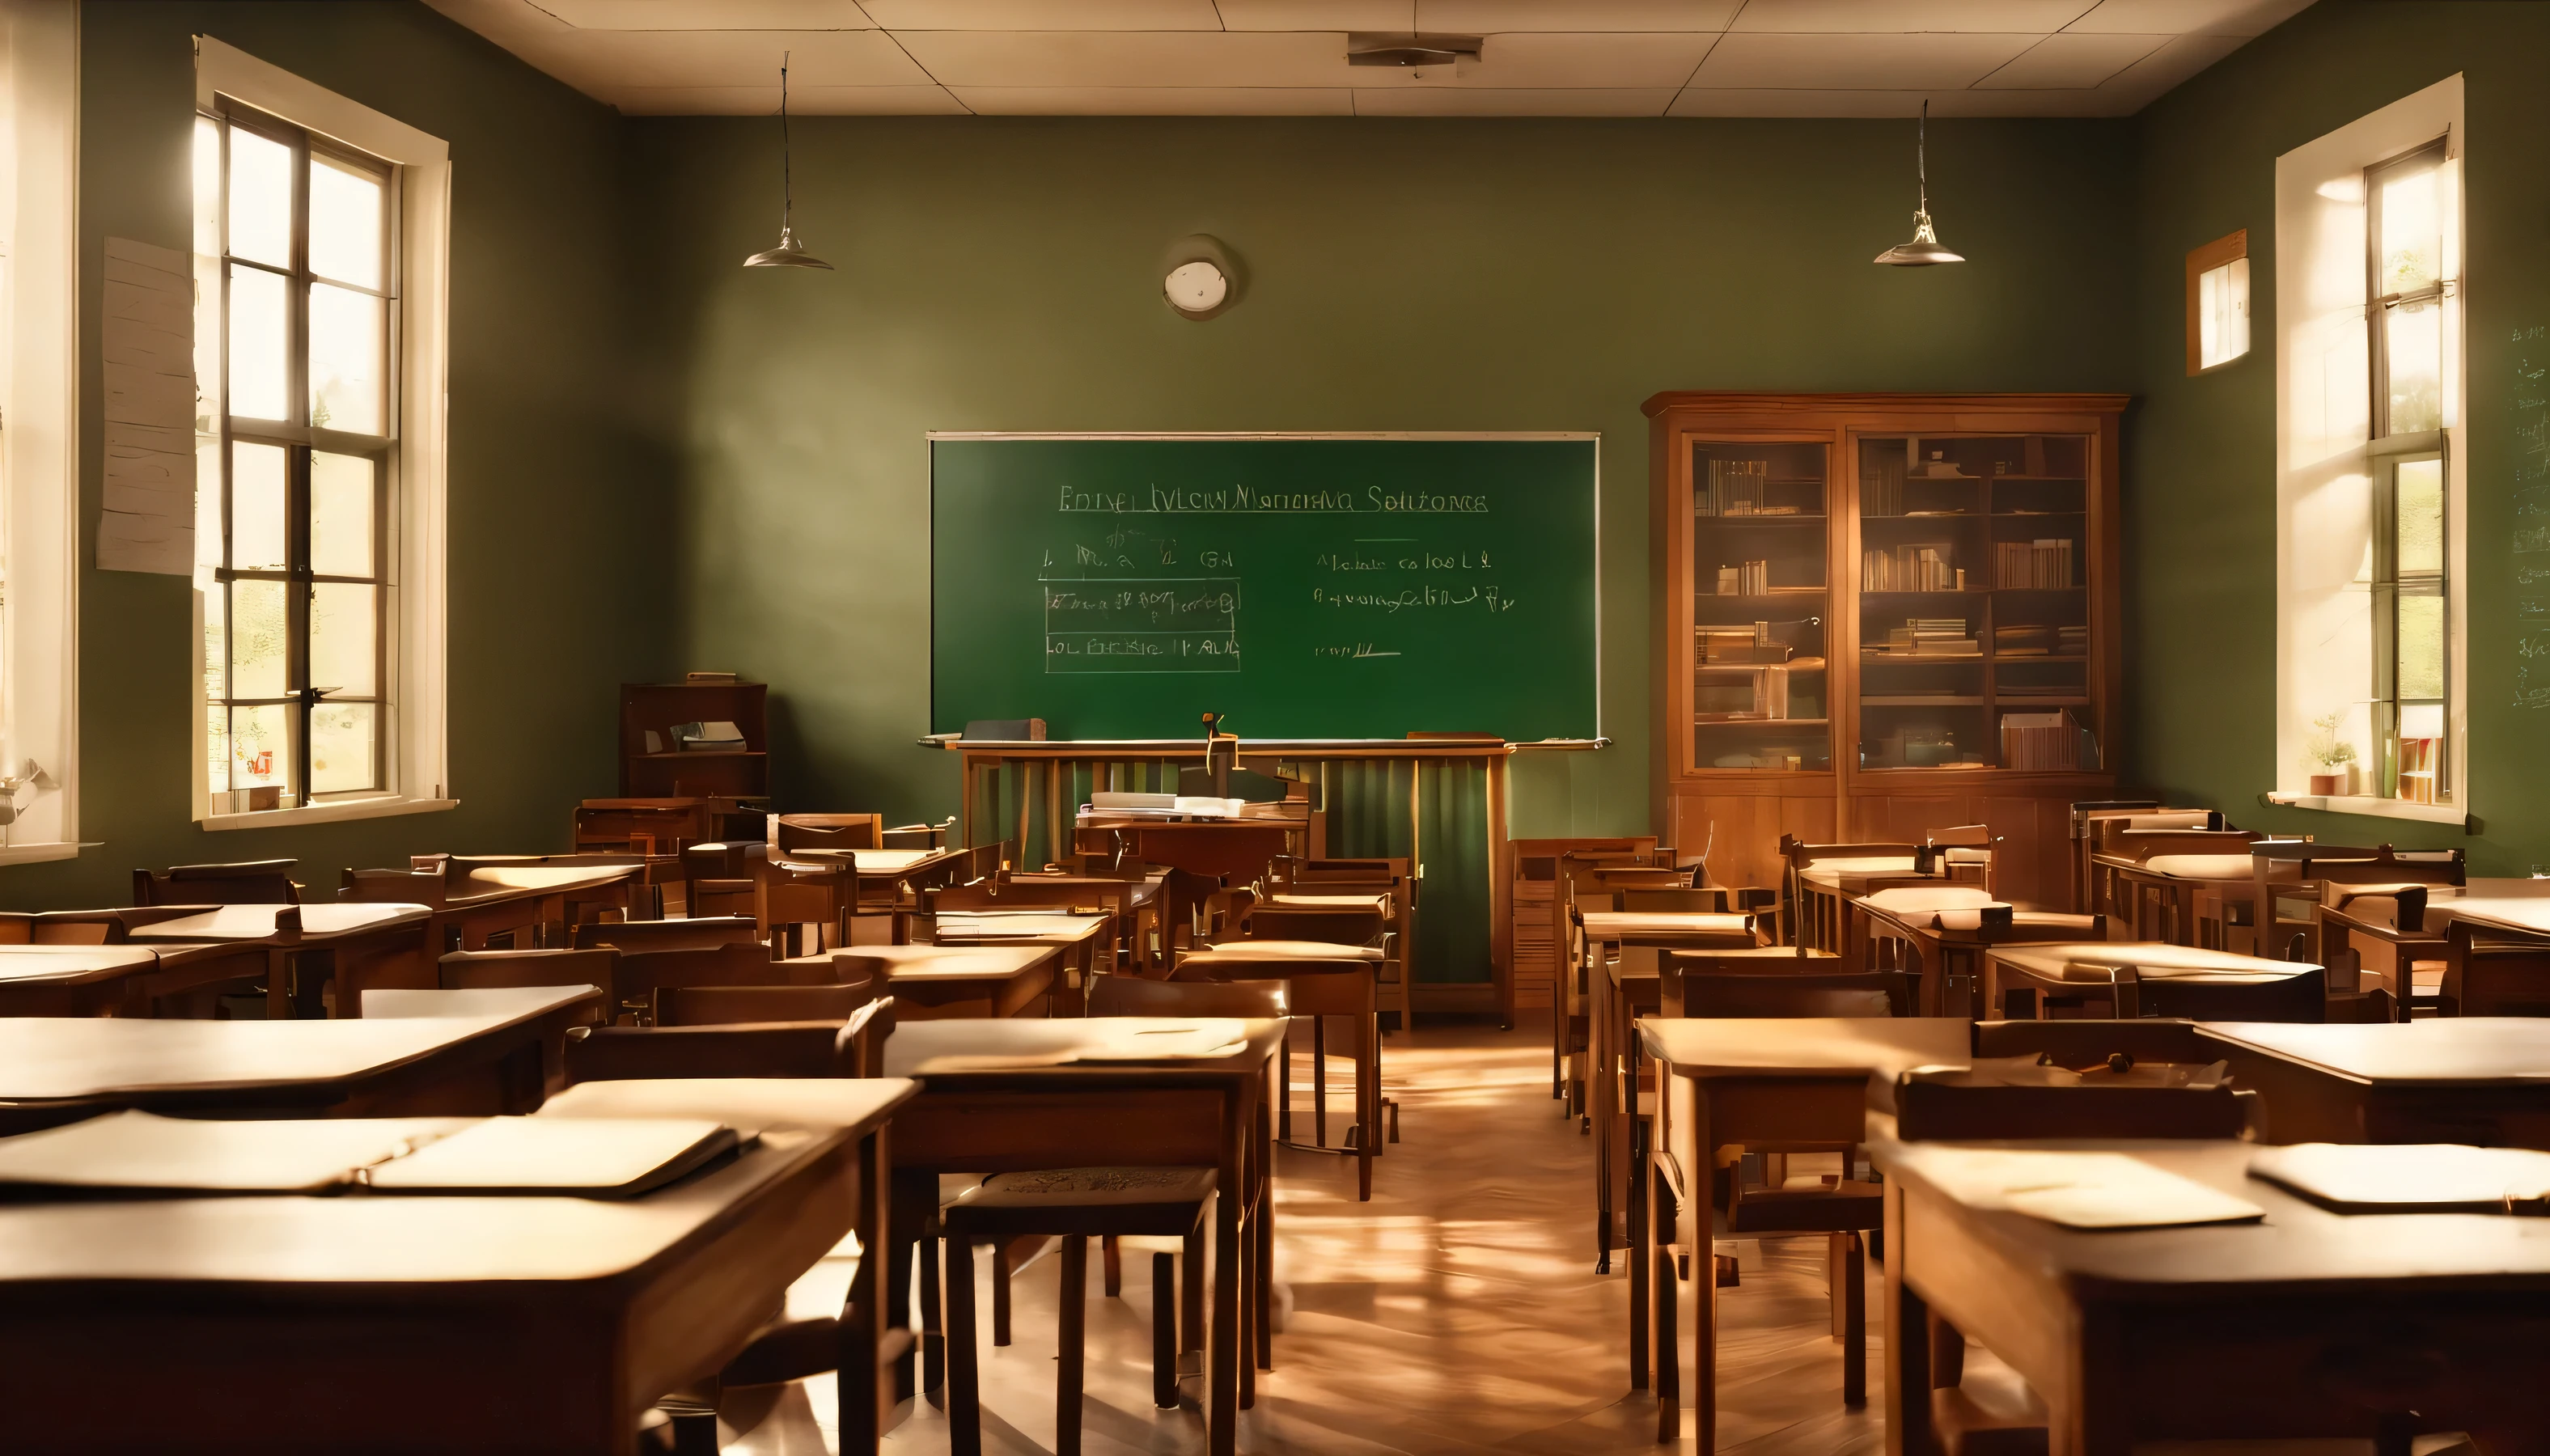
2410 1177
142 1152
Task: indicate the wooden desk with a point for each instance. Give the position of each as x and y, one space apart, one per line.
2164 887
312 1324
1235 850
871 1333
2451 1079
1944 931
2290 1327
1721 1082
1670 929
1284 951
1824 887
928 982
2086 967
369 944
55 1071
73 980
974 1118
1085 943
2522 905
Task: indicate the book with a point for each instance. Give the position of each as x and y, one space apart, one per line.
712 679
590 1157
1909 569
1732 488
708 737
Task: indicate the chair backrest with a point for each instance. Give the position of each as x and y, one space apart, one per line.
1797 994
2301 996
484 970
775 1049
1973 1105
1705 901
2495 973
86 927
721 859
251 882
1609 878
719 1006
2117 841
701 932
644 974
1085 894
1132 996
827 831
643 826
1333 926
394 887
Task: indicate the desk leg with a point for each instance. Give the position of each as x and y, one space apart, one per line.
1262 1149
1601 1075
864 1318
2099 1418
1908 1343
915 1202
1641 1241
1702 1200
1223 1437
278 984
1666 1296
965 1394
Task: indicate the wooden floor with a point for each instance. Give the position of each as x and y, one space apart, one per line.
1457 1311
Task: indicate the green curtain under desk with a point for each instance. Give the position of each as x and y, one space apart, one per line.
1367 813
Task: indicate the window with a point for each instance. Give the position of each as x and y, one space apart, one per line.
38 422
291 509
2218 302
320 237
2370 667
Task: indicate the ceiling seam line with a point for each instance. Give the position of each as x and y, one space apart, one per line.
924 70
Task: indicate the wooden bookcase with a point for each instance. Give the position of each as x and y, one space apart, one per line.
1820 669
670 773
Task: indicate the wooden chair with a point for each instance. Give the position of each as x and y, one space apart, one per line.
2494 973
792 895
479 970
2288 880
2087 815
2301 996
1077 895
644 974
705 932
2379 931
1843 1210
793 831
2148 877
251 882
722 1006
1571 1000
1818 926
1317 989
1391 879
718 877
85 926
647 826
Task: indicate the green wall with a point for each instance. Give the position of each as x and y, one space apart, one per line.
559 567
2200 455
1000 274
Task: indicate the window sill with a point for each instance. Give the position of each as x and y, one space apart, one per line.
384 806
36 854
2374 808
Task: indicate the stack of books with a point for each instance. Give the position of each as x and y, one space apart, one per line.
1914 569
708 737
1932 637
2421 769
2024 640
1881 482
1740 646
1733 488
1750 579
2027 564
2072 641
2045 740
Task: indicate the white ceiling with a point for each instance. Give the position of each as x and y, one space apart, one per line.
1287 57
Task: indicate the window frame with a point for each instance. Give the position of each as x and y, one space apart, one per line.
410 730
300 439
2337 468
2229 248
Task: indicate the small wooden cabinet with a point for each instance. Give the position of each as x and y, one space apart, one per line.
654 765
1878 615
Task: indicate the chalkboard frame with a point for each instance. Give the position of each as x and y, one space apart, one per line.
1600 737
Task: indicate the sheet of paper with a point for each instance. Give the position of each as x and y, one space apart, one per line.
146 518
2407 1177
140 1151
2082 1190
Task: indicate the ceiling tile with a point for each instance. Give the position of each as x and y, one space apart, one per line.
1157 100
502 21
710 15
1857 62
2172 62
2072 62
1173 58
601 62
1494 17
1317 15
1525 58
1045 15
2191 17
1535 101
747 101
1877 16
1696 102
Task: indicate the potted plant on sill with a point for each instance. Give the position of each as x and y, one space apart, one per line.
2335 757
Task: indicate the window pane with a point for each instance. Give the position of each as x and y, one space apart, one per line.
2420 495
2413 342
2223 313
2422 646
2412 251
261 747
345 223
342 640
217 747
217 645
207 186
207 504
256 345
258 541
260 198
258 639
345 359
341 748
340 515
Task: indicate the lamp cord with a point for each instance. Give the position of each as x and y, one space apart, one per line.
787 183
1920 144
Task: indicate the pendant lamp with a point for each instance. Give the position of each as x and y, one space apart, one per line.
790 253
1924 248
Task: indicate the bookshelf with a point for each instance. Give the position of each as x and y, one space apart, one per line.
1881 614
671 772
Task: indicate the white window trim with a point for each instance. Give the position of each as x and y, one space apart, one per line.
39 458
2304 218
419 777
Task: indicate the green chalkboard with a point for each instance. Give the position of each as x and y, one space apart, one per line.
1329 587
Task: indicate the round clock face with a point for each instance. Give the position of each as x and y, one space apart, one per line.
1197 287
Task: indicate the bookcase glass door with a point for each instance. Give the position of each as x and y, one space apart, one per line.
1974 625
1760 522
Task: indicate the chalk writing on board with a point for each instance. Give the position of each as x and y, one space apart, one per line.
1140 624
2531 534
1488 598
1248 500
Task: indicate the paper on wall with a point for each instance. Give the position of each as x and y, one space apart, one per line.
147 519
